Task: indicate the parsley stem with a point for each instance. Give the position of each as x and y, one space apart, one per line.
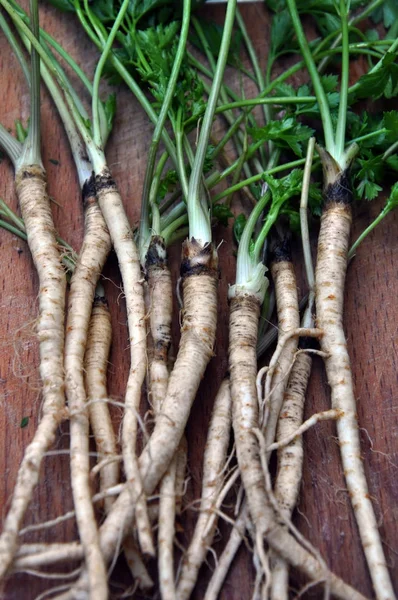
10 145
5 211
277 100
365 233
199 221
345 71
175 213
244 261
305 235
353 21
315 78
128 80
256 67
31 154
159 127
168 231
390 150
258 177
98 73
14 230
370 135
153 193
238 139
15 47
179 135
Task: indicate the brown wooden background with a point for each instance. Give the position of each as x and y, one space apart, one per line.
371 318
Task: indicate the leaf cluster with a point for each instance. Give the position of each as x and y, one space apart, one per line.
372 168
285 133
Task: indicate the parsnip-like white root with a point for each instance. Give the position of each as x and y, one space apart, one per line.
96 361
91 260
228 554
213 465
290 461
36 213
160 296
128 257
181 471
33 556
166 532
136 564
199 272
284 278
244 315
325 415
160 317
199 275
333 245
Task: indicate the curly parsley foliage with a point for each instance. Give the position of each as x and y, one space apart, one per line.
286 133
382 82
387 14
373 166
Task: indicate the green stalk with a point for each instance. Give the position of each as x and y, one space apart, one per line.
390 150
345 72
223 93
144 224
244 262
316 81
172 228
156 179
175 213
14 230
199 221
95 152
256 67
284 167
10 145
31 154
179 235
353 21
239 166
128 80
5 211
15 48
83 166
179 136
366 232
259 243
273 100
98 73
48 40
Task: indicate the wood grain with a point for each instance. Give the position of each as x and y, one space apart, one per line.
371 318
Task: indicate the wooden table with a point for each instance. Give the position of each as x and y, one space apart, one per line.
324 514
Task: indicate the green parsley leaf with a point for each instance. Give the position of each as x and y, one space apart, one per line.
388 13
222 213
392 162
383 82
286 132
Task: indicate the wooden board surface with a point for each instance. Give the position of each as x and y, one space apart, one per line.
371 317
